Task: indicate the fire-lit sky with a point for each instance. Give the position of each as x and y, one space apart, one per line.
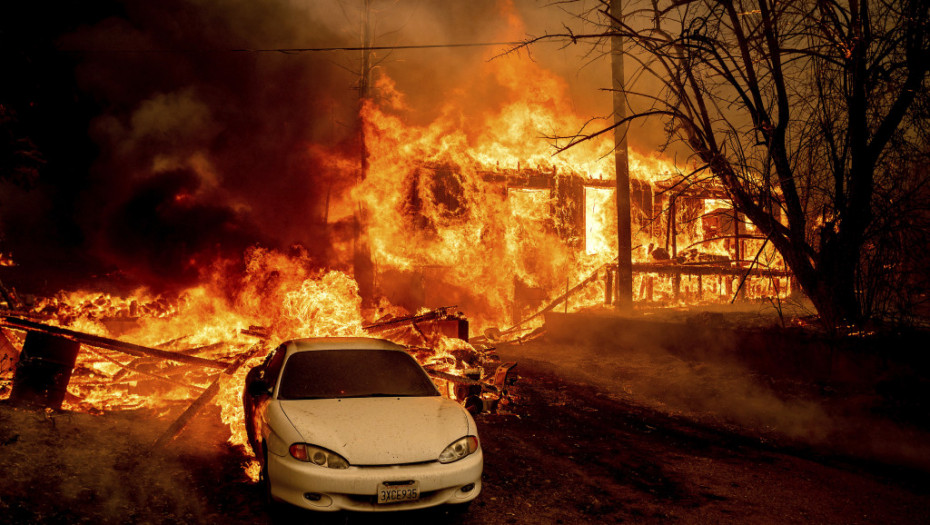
163 149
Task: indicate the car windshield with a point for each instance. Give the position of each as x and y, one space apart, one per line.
353 373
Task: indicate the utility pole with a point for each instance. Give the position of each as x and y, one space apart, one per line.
362 265
624 227
364 84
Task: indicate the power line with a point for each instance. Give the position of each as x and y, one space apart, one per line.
295 50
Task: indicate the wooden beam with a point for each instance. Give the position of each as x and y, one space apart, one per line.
185 418
704 269
129 367
555 302
107 343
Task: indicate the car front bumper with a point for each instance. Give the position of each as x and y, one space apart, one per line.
318 488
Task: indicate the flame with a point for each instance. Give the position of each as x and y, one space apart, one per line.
280 297
472 208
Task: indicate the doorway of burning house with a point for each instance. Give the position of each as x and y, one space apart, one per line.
558 204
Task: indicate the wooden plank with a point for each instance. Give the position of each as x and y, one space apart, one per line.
129 367
107 343
672 268
9 354
444 312
185 418
555 302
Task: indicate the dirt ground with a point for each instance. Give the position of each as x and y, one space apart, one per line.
595 435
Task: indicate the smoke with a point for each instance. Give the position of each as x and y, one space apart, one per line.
715 390
171 141
704 376
203 150
168 143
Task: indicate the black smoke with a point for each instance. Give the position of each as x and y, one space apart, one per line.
163 147
168 134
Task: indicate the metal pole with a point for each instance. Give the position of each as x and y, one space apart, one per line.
624 226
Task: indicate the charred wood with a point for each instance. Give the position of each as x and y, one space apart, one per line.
131 368
185 418
445 321
107 343
203 349
709 268
9 297
260 332
9 354
44 370
148 364
171 342
555 302
442 313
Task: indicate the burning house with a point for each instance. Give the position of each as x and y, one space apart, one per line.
692 246
467 212
439 216
187 185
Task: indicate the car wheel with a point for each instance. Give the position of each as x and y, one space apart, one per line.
277 511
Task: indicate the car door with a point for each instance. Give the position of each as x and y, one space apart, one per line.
259 385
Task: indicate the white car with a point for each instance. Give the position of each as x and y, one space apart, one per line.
357 424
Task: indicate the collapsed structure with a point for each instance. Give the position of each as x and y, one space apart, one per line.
690 245
45 372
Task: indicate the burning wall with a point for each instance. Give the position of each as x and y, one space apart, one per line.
439 215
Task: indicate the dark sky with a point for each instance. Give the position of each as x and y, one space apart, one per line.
161 149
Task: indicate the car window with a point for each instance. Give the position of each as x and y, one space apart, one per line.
353 373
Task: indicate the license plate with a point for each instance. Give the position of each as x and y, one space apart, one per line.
398 491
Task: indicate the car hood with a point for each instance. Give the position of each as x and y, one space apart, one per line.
382 430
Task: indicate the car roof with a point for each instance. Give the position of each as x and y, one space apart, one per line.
340 343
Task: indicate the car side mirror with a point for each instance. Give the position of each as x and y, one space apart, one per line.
259 387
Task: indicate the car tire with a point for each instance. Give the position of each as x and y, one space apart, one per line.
264 480
278 511
458 509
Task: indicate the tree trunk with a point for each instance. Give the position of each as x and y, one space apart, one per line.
830 285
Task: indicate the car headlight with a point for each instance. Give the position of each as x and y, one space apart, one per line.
317 455
459 449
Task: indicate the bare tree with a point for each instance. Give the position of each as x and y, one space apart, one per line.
799 108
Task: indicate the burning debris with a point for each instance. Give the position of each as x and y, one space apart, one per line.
473 374
44 370
63 367
463 209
